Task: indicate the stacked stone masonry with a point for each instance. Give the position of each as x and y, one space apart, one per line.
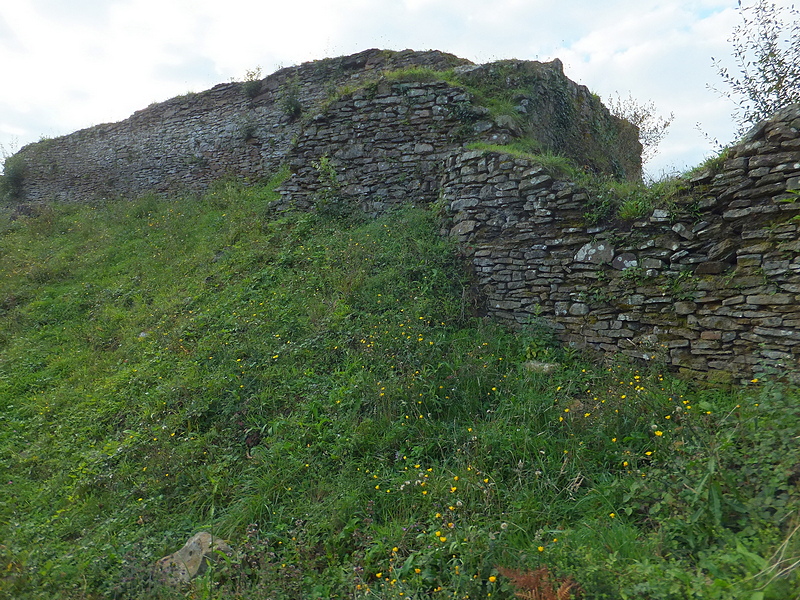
186 143
385 139
386 146
711 286
714 291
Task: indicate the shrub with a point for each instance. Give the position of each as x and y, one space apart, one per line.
290 98
252 82
11 181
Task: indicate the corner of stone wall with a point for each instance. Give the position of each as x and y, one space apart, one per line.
713 292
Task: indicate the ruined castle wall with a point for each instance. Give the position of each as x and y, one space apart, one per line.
386 138
711 286
385 146
186 143
385 143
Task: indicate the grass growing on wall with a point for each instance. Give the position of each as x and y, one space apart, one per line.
319 392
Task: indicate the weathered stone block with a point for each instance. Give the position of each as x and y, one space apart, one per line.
463 228
714 322
771 299
191 560
749 260
685 308
711 267
624 261
579 309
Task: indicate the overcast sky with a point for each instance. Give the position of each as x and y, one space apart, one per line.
70 64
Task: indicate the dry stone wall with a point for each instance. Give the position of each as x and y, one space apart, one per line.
385 145
711 286
385 138
241 129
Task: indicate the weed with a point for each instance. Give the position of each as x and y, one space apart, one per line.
252 82
555 165
537 585
289 101
13 176
329 200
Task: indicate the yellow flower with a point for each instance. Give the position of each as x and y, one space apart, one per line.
540 548
612 515
492 579
659 433
378 574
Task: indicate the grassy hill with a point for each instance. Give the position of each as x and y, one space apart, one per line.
321 392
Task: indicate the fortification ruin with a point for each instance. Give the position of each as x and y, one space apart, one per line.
710 283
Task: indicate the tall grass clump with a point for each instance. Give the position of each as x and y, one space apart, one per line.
321 392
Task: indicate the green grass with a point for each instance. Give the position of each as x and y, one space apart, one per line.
556 165
320 392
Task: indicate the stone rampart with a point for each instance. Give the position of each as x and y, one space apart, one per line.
385 136
386 142
710 282
712 285
186 143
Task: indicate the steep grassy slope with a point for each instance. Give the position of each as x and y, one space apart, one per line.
320 392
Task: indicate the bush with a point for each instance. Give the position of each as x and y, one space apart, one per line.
252 82
13 176
290 99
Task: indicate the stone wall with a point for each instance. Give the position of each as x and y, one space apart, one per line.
240 129
386 145
385 137
385 142
711 285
